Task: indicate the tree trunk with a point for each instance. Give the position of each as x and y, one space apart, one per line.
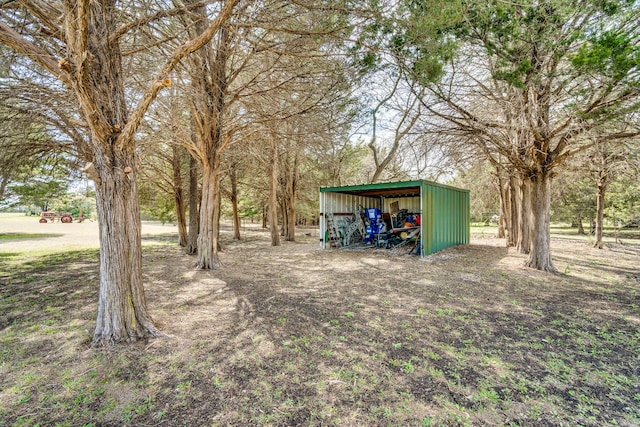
218 207
273 197
290 226
210 86
580 225
194 209
289 195
265 216
233 176
523 245
178 197
97 73
503 224
284 211
602 184
540 213
4 180
122 311
89 62
209 218
514 208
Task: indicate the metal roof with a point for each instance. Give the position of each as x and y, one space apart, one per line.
387 189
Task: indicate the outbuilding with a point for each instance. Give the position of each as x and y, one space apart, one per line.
423 216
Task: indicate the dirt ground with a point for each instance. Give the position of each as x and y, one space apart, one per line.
296 335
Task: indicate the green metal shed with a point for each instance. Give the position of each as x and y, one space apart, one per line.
443 210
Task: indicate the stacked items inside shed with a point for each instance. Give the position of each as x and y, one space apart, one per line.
375 228
421 215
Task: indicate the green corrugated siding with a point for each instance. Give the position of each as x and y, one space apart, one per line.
445 215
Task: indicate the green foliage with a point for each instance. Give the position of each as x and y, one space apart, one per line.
40 190
35 168
575 197
249 211
414 33
516 34
246 208
623 201
580 203
74 204
613 54
484 196
422 40
156 202
31 146
162 208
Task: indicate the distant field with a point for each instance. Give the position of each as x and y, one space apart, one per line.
611 235
11 215
41 239
20 236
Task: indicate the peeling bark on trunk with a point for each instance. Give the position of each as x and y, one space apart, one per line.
91 67
178 197
4 180
289 195
233 176
523 244
265 216
209 219
602 184
514 229
218 214
122 312
540 255
194 208
273 197
503 224
210 84
289 221
98 84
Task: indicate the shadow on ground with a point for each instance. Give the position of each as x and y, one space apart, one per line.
294 335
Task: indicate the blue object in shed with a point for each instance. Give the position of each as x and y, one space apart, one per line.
373 213
442 212
376 223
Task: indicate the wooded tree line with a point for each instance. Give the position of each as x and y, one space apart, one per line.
260 102
536 84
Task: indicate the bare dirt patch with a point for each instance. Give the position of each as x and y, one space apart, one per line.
295 335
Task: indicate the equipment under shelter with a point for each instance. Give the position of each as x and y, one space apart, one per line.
423 216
